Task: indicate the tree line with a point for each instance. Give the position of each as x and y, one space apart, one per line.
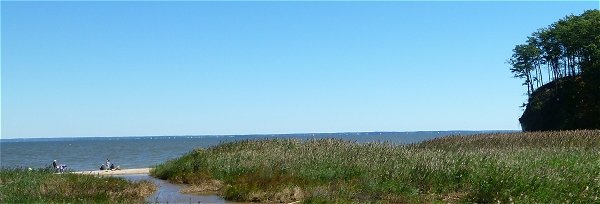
568 47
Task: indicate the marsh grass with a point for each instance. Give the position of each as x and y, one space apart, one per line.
44 186
541 167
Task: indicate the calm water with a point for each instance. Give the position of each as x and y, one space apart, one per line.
169 193
139 152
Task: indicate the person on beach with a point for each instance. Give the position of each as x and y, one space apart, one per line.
113 167
60 168
107 164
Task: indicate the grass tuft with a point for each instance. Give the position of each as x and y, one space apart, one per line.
44 186
533 167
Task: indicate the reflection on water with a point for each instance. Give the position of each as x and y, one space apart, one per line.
169 193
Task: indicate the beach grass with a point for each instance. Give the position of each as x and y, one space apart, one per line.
532 167
44 186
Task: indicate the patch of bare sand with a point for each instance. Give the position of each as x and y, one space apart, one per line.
211 186
115 172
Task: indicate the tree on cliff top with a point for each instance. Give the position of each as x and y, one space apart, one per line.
568 49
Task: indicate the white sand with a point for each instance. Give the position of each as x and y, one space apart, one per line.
116 172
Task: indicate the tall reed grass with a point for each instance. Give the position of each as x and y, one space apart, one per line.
44 186
540 167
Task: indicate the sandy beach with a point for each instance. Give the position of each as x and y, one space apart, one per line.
116 172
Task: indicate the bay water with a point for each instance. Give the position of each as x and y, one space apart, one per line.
89 153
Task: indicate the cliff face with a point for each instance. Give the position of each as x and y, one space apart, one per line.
567 103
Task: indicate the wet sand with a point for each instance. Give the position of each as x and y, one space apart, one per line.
116 172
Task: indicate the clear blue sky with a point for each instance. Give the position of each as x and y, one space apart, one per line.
179 68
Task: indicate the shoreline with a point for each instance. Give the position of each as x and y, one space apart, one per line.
115 172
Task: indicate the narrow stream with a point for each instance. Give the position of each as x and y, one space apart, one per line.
169 193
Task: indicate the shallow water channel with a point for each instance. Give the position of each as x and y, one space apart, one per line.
169 193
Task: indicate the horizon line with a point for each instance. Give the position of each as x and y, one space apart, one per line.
251 134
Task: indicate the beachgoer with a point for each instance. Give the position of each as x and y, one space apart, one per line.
112 166
61 168
107 163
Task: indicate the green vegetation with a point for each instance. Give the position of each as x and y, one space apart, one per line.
44 186
560 66
536 167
